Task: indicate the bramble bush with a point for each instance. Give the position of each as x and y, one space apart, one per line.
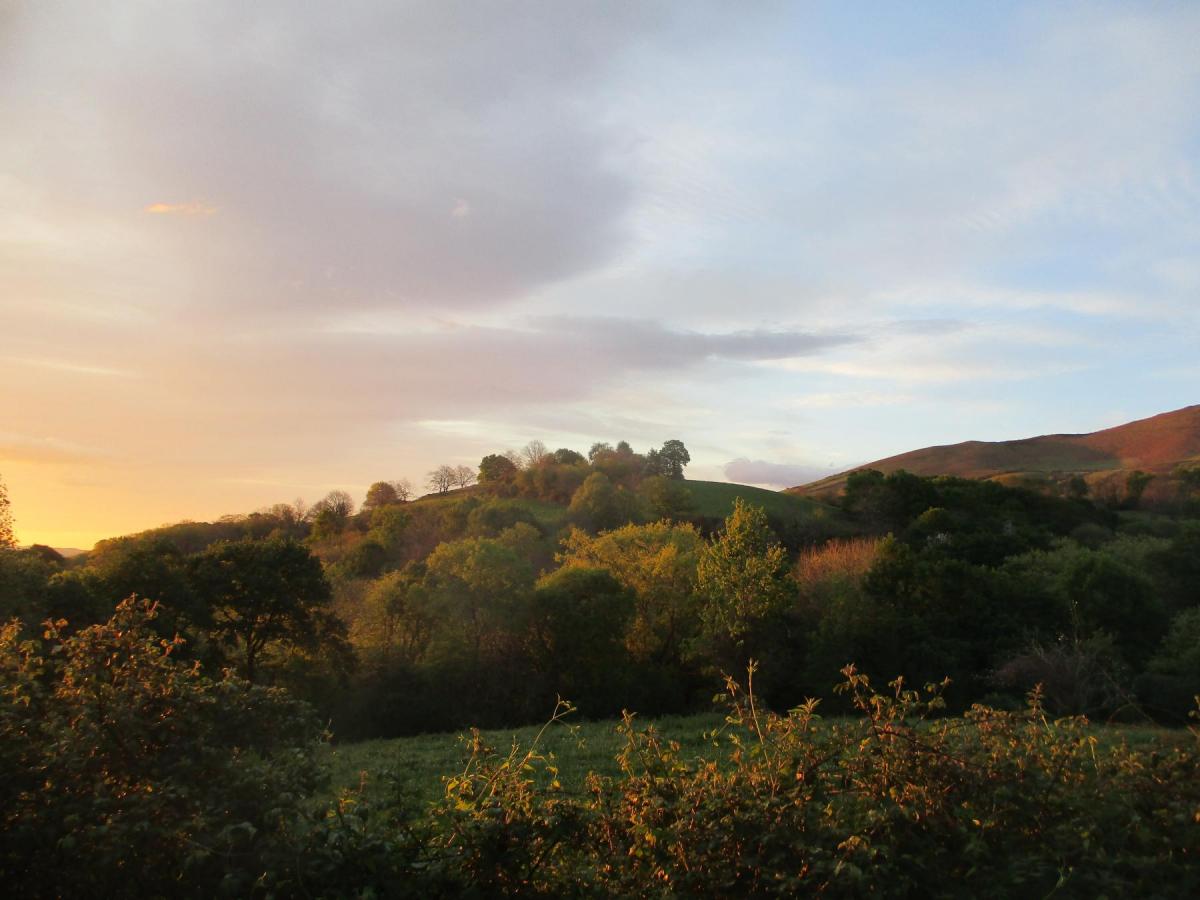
126 771
895 802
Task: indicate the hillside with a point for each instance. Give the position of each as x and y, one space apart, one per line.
714 500
1156 445
711 500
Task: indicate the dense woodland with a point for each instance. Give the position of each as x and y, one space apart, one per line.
606 580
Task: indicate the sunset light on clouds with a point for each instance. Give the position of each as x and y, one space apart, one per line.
254 252
181 209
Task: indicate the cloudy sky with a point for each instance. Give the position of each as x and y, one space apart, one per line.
250 252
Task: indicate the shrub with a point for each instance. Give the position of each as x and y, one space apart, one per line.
124 771
895 802
835 563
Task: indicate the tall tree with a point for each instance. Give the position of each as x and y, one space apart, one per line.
332 512
658 563
266 594
381 493
567 457
674 457
743 578
496 469
441 479
464 476
7 539
599 505
533 453
578 620
655 464
478 586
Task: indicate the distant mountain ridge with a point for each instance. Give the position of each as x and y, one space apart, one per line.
1157 445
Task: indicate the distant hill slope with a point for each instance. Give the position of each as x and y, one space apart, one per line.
714 499
1156 445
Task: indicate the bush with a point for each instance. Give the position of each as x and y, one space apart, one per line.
124 771
1173 678
895 803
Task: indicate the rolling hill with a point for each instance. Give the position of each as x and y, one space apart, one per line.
1156 445
709 500
714 500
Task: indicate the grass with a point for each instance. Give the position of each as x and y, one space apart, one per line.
413 768
714 499
551 516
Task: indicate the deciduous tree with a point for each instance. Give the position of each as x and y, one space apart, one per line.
577 623
441 479
495 469
533 453
381 493
600 505
658 563
267 594
7 540
567 457
744 580
330 514
477 585
674 457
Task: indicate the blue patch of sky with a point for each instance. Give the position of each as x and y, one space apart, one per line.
857 40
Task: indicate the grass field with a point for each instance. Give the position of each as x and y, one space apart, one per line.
714 499
413 768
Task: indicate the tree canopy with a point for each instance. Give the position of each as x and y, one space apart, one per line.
267 594
496 469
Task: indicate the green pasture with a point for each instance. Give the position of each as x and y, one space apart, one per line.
714 499
413 768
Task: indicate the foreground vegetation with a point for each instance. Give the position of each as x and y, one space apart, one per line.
118 753
415 769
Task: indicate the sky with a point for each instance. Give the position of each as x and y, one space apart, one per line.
255 252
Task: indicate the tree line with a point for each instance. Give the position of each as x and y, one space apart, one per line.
481 607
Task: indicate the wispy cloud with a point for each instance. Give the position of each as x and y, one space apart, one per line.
851 400
194 208
21 448
69 366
